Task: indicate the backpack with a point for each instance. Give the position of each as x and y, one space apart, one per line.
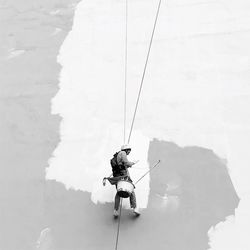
114 165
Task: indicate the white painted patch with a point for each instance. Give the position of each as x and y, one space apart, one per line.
57 30
54 12
43 241
196 91
15 53
234 233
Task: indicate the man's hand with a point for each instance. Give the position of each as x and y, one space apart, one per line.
104 181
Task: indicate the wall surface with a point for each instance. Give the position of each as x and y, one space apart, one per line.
31 35
62 70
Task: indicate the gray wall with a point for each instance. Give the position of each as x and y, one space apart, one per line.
203 194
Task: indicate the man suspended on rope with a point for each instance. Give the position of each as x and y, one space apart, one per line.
120 165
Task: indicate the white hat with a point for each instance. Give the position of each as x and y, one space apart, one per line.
125 146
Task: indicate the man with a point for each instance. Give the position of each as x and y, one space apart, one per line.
120 165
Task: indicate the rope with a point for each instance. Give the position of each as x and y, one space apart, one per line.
137 102
125 72
144 71
125 112
118 227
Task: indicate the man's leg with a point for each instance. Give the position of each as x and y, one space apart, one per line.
117 202
132 199
133 204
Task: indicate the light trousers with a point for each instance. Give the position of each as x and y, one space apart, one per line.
132 200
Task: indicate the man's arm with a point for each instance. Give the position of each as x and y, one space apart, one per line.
122 157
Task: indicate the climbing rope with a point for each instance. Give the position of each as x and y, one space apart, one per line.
144 71
137 101
125 72
125 111
118 227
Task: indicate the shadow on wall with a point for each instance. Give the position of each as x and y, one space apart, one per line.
189 193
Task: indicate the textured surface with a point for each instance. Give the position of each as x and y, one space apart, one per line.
195 101
31 35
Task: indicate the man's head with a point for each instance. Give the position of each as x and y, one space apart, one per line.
126 148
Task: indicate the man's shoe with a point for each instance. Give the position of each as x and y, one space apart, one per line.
136 211
104 181
116 213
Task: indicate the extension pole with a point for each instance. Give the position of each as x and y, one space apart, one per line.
149 171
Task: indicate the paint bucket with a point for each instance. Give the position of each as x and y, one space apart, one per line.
125 188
